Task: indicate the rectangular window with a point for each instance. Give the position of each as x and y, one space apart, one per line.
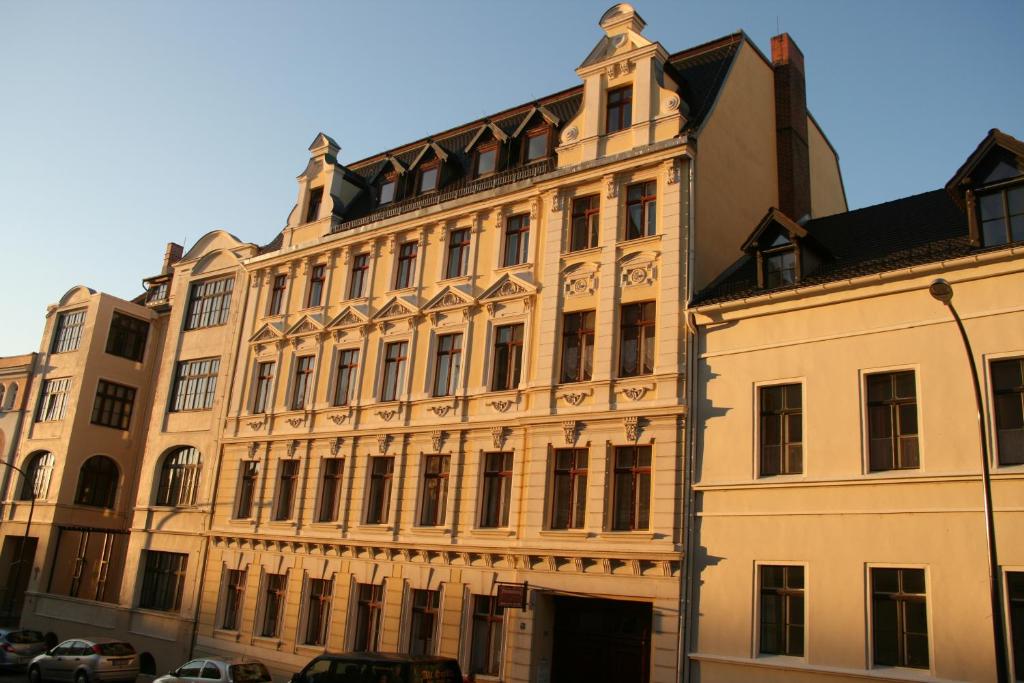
517 240
331 470
234 589
248 471
348 363
586 222
497 490
780 267
317 278
486 159
458 253
360 270
619 110
387 188
1008 398
1002 216
369 606
127 336
318 611
641 210
209 303
163 580
378 508
53 399
406 265
569 489
537 144
448 364
303 382
195 384
782 610
263 398
577 346
68 333
435 490
781 429
393 377
428 177
287 479
316 196
113 406
636 339
892 421
274 586
508 357
1015 599
277 294
631 502
426 606
488 627
899 617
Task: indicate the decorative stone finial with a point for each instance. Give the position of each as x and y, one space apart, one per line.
621 17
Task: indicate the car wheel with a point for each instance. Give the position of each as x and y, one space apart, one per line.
80 677
34 675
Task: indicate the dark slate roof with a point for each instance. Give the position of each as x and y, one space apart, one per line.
920 229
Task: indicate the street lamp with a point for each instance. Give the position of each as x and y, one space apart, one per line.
942 291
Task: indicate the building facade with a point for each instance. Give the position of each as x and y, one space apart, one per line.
839 527
460 365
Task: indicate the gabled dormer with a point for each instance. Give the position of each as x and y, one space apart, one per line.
535 136
389 183
629 100
430 169
990 187
487 150
784 251
326 190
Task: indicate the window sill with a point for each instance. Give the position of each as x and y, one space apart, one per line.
239 521
273 641
411 289
356 300
226 634
455 279
281 523
628 535
565 533
646 239
329 524
502 532
310 649
589 251
307 309
375 528
432 530
513 267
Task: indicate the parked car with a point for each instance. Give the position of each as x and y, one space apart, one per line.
379 667
207 670
19 646
86 660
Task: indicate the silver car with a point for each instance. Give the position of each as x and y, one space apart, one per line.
86 660
211 670
19 646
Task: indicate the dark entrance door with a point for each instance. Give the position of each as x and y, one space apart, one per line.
601 641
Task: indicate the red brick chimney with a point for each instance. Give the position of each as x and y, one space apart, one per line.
172 255
791 128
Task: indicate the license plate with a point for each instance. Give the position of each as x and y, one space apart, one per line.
120 662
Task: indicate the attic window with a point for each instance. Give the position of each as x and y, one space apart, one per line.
537 143
387 188
779 263
1001 214
486 159
428 177
316 195
619 112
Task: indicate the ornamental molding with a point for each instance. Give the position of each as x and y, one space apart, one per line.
638 268
292 447
254 448
338 418
336 445
436 438
631 425
574 398
620 68
498 436
306 325
569 428
387 415
580 279
671 171
255 425
558 201
502 404
611 184
382 442
268 333
296 421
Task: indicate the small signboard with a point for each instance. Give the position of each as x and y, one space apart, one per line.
512 595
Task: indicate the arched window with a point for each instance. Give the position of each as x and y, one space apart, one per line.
97 482
179 477
37 476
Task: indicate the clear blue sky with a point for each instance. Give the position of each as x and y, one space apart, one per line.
125 125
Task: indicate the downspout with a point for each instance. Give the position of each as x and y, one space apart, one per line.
204 562
689 450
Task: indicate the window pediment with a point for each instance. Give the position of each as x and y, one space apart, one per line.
268 333
350 316
306 325
397 307
449 297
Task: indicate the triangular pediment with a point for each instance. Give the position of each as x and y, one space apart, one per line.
350 316
307 324
508 286
397 307
391 165
498 134
267 333
449 297
430 146
773 222
997 158
538 111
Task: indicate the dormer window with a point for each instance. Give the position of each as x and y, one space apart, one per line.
316 195
428 177
388 187
486 159
537 144
619 111
1001 215
779 263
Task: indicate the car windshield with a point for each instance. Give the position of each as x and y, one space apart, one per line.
116 649
24 637
250 672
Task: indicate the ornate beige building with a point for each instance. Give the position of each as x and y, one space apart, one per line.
840 528
460 365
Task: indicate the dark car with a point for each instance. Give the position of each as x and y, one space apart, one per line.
379 667
19 646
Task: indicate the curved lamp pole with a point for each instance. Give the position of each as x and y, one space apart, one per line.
942 291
